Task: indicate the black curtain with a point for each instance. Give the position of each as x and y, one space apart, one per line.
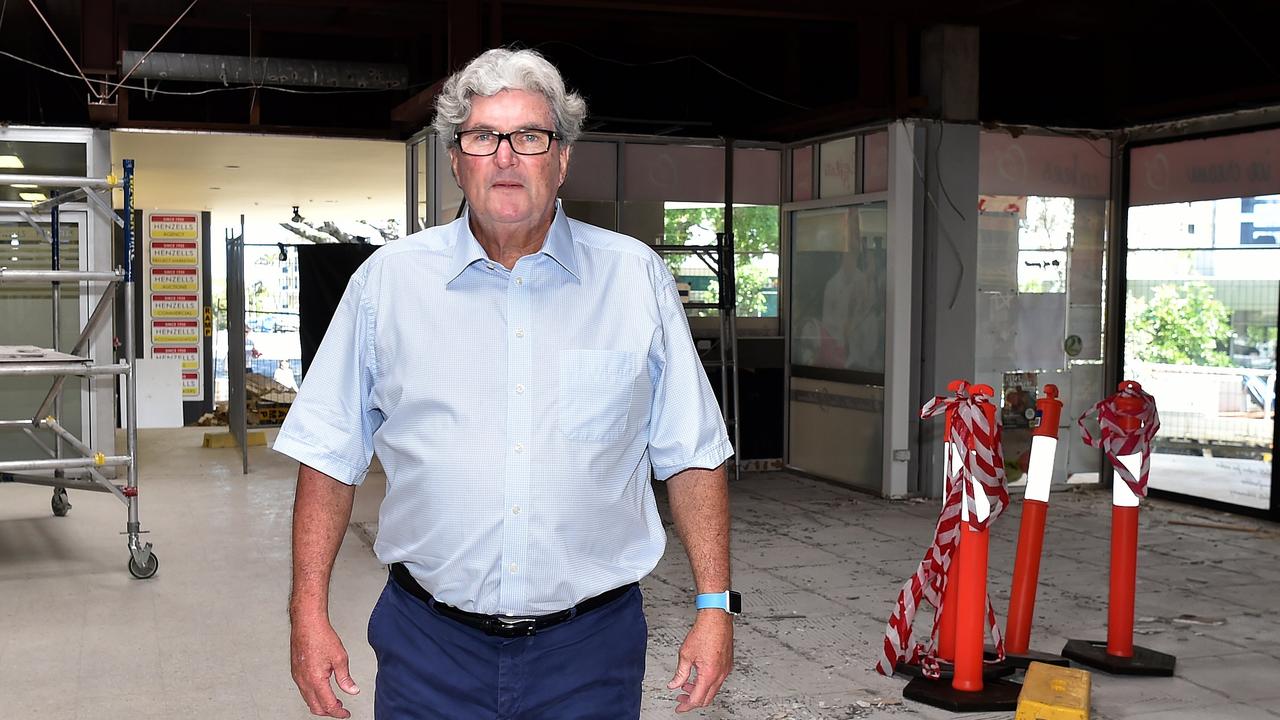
323 273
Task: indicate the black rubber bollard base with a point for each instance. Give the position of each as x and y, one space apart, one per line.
1144 661
1023 660
947 670
995 695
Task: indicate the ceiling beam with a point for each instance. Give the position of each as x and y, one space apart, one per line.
464 41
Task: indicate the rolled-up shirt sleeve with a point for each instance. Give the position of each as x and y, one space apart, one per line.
686 429
331 424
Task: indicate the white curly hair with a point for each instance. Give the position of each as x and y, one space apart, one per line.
500 69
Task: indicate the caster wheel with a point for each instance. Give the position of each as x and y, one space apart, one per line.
60 504
142 572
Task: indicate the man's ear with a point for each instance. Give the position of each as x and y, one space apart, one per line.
565 153
453 165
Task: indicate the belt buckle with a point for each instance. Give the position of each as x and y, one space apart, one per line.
513 627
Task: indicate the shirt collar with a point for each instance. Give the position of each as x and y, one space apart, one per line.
559 246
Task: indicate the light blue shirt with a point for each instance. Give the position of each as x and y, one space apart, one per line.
518 413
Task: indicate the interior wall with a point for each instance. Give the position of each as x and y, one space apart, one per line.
950 264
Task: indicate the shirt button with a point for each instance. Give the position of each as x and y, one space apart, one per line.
520 332
515 510
519 389
519 447
489 265
519 281
514 567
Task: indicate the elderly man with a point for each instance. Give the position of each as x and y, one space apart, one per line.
521 376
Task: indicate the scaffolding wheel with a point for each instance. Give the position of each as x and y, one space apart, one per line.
60 504
142 572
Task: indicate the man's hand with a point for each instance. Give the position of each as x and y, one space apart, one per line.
707 655
316 655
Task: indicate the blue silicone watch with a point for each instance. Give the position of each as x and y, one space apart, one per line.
728 601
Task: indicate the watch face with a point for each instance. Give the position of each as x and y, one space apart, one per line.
735 603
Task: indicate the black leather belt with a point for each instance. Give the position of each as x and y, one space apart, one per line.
503 625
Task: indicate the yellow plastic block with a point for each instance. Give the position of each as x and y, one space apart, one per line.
253 438
1050 692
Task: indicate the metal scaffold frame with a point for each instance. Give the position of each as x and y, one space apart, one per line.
81 470
719 258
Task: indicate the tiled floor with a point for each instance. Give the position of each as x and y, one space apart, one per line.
208 637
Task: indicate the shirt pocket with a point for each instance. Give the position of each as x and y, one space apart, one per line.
597 388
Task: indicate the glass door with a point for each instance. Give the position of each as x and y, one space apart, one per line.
837 348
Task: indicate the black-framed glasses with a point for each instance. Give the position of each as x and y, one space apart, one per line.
526 141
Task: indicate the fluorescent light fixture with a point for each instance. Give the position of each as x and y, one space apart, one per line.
11 162
23 186
33 196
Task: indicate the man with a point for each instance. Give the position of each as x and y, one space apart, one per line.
521 375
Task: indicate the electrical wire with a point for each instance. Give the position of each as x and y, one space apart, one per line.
154 45
92 90
668 61
942 134
942 227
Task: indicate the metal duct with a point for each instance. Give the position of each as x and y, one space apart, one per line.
240 70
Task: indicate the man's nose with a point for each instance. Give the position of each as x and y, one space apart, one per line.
505 156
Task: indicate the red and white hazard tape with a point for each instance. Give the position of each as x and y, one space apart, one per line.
985 465
1118 441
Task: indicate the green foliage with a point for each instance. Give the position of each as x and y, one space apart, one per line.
1180 324
756 233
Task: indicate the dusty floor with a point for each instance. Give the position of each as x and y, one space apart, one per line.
819 565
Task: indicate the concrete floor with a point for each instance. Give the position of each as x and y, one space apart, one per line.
820 566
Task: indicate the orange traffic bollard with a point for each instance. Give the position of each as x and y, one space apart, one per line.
968 689
1129 422
1035 509
946 615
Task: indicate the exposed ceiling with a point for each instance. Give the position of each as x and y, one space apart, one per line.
338 180
752 69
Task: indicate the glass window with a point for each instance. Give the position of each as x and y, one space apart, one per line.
589 190
448 194
837 167
422 187
1041 239
1200 335
755 229
838 288
802 173
875 162
40 158
674 195
1203 282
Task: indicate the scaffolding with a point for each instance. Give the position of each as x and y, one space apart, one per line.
83 468
719 258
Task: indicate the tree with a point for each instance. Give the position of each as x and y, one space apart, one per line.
1181 324
755 231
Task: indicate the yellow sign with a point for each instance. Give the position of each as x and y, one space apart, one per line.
163 279
174 331
178 226
173 253
190 356
169 305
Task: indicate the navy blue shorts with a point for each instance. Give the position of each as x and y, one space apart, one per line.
431 667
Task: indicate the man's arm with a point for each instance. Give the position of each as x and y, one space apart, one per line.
700 507
321 512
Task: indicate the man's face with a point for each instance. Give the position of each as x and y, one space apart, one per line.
506 187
